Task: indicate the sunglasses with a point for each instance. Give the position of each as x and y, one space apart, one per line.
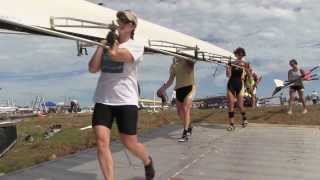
238 54
123 19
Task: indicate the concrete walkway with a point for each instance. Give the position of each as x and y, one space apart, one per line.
258 152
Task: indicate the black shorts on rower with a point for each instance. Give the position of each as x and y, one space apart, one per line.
126 117
297 88
183 92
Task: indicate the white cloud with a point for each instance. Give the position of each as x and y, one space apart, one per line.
268 29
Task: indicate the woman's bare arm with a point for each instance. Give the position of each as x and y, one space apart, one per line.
120 54
228 71
96 60
289 75
169 82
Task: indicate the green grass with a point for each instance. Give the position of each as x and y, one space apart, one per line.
267 115
71 140
68 141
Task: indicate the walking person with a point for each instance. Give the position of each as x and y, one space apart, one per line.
183 72
235 87
252 82
116 95
295 73
314 97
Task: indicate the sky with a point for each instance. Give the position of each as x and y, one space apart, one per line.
271 31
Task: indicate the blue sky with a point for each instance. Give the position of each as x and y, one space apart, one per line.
272 31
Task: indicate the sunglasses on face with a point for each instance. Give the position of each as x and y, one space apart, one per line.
123 20
239 54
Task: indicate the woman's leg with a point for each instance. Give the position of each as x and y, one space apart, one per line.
254 101
103 151
231 101
301 97
242 110
135 147
291 100
127 121
181 113
240 103
187 105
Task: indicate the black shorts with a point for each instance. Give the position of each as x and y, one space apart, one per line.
297 88
126 117
183 92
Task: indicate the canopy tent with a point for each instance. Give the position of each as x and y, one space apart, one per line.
50 104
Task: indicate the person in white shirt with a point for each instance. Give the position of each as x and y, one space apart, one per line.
295 73
116 95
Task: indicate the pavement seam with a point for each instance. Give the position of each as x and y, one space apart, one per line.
210 147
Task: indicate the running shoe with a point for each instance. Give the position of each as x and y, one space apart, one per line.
231 128
289 112
189 131
184 137
244 123
304 111
149 170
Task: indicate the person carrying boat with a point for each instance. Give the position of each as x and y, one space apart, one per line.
295 73
183 71
252 80
235 87
116 95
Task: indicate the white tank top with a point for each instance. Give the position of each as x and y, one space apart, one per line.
296 75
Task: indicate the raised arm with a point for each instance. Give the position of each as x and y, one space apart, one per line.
96 60
259 78
289 75
120 54
228 71
169 82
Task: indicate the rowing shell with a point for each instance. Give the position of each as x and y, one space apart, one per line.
87 22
